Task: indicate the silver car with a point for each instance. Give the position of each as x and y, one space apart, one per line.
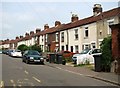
86 54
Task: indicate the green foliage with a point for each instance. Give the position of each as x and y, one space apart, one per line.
79 65
35 47
68 59
23 47
106 48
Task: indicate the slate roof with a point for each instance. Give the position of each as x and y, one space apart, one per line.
88 20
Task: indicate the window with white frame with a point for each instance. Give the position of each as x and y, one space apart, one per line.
86 46
76 48
62 48
42 38
110 22
57 37
46 37
76 34
62 37
86 34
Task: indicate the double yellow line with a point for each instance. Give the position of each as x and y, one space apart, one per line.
1 84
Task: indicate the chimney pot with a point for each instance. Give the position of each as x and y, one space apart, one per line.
31 32
46 26
38 30
97 9
74 18
21 36
17 37
27 34
57 23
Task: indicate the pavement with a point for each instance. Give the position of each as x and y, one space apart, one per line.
88 72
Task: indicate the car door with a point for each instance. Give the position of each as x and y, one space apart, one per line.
25 55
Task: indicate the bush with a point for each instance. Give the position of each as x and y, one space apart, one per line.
106 48
23 47
35 47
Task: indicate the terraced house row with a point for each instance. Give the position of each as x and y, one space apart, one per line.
74 36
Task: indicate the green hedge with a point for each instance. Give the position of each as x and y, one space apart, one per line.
106 48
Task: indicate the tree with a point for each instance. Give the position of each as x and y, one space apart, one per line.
106 48
36 47
23 47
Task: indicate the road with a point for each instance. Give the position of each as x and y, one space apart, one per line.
16 73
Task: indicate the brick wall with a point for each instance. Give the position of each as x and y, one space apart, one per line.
116 44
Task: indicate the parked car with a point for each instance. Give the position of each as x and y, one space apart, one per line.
5 51
32 56
85 55
16 53
0 51
9 52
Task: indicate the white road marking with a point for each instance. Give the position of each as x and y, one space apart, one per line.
70 71
26 72
36 79
1 84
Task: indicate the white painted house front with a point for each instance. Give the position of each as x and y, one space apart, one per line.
88 36
42 42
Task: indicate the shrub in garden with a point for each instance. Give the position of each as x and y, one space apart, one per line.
106 48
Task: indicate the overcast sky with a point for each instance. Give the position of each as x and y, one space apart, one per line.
25 16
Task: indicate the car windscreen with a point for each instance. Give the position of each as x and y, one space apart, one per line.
33 53
85 51
17 51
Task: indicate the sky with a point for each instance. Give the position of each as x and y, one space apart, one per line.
20 16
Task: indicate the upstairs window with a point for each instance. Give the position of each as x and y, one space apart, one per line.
110 22
46 37
42 38
76 34
62 37
57 37
86 34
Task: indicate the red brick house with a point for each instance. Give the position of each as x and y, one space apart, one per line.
52 37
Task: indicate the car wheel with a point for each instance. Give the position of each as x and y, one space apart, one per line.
27 62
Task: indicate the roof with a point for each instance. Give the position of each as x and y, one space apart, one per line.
88 20
54 29
92 19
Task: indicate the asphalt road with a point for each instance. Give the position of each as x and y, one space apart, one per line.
16 73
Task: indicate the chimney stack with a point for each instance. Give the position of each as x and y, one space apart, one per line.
46 27
31 32
27 34
7 40
74 18
97 9
38 30
21 36
17 37
57 23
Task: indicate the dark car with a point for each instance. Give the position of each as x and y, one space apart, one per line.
7 51
32 56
